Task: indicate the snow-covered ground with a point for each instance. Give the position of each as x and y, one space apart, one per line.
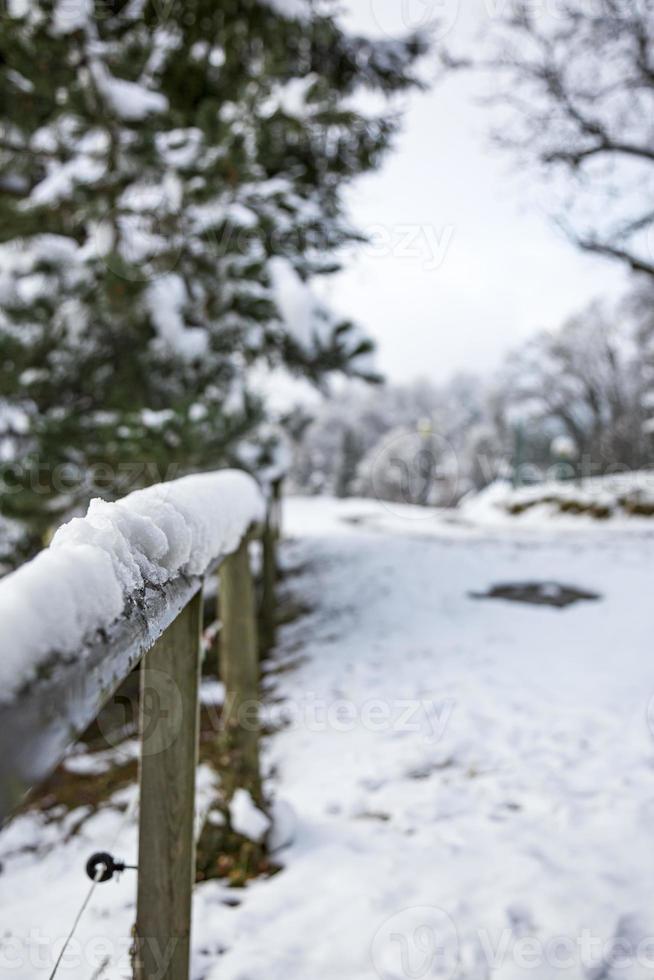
469 785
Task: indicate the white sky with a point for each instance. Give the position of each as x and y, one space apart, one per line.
494 268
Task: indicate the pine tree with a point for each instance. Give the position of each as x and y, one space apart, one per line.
171 179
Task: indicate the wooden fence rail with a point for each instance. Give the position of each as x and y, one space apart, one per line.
162 631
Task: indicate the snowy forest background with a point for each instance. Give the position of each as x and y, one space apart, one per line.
172 189
571 403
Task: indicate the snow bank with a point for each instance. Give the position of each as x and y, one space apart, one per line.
81 583
620 495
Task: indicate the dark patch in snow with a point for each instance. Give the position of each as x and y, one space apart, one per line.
538 594
379 815
424 772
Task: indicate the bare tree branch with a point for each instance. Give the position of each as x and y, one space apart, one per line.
576 90
635 263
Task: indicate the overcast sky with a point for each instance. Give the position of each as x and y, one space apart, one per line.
466 261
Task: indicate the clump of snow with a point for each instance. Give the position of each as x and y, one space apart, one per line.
284 822
212 693
307 320
197 412
289 98
246 817
61 182
274 461
179 147
13 419
72 15
489 505
296 302
81 583
166 298
293 9
156 420
129 100
52 603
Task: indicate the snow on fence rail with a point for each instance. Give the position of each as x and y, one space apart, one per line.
117 587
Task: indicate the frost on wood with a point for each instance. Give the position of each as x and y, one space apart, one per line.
81 583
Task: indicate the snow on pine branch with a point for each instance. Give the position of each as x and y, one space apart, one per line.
166 298
128 100
311 324
293 9
81 583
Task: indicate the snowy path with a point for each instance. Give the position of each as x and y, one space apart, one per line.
525 800
472 782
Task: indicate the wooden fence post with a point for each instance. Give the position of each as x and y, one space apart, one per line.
268 584
276 490
169 716
269 571
221 850
239 669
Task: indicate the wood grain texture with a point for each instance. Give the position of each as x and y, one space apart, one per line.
239 670
169 733
267 611
40 724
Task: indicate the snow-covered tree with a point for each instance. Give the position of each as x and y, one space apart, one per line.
171 179
574 88
376 433
585 381
581 395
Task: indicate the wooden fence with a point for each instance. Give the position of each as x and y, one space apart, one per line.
163 634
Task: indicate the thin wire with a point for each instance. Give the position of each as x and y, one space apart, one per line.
98 875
